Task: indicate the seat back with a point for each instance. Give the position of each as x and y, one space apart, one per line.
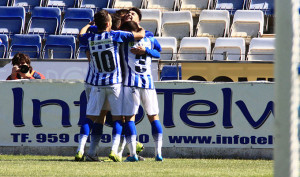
4 3
169 5
151 20
267 6
27 4
213 23
29 44
231 5
261 49
229 49
247 23
169 47
178 24
63 46
44 21
194 48
3 45
95 5
170 73
62 4
195 6
122 4
12 20
75 19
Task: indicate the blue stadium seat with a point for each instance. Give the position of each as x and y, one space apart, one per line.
95 5
4 45
63 46
80 54
12 20
44 21
75 19
4 2
29 44
230 5
62 4
267 6
170 73
27 4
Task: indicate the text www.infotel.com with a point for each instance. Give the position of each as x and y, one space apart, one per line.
219 139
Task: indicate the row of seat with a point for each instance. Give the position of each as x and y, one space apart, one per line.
166 5
200 48
192 48
212 23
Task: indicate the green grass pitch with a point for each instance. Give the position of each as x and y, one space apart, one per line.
28 165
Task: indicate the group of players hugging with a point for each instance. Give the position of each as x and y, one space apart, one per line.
119 79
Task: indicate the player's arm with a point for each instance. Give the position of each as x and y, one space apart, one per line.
139 35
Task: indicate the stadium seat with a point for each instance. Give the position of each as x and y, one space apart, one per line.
27 4
247 23
163 5
195 6
75 19
267 6
4 2
194 48
95 5
169 47
151 20
112 10
231 5
44 21
125 4
261 49
63 46
62 4
229 49
80 54
170 73
178 24
213 24
4 45
12 20
29 44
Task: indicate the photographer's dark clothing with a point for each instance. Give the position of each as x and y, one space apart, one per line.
34 75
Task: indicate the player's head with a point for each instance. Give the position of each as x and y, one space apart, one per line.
134 14
116 21
130 26
102 20
122 13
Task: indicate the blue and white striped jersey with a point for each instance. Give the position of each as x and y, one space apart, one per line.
138 67
104 67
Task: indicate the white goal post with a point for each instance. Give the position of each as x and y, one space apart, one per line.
286 147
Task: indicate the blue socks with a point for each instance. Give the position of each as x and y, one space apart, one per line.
130 134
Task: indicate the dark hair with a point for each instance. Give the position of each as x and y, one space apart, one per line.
116 21
101 19
16 60
122 12
130 26
137 11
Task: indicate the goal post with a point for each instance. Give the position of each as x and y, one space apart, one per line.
286 147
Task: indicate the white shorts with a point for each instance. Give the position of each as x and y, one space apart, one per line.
99 95
133 97
88 88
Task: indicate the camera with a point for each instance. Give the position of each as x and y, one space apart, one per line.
24 68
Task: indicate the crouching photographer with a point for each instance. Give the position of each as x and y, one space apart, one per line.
22 68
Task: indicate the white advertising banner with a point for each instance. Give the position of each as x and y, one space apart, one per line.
193 114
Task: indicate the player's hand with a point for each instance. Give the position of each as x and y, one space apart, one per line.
140 50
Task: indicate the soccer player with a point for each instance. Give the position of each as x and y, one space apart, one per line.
107 78
139 87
